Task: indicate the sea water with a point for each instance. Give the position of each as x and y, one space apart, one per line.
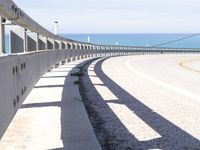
138 39
146 40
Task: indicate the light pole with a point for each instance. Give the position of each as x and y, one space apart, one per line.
56 28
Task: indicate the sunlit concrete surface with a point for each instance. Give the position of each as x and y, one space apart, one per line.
52 116
154 97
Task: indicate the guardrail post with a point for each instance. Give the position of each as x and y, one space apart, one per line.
25 40
37 42
65 45
2 35
54 44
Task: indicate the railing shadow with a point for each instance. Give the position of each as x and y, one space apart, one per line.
63 102
102 116
172 137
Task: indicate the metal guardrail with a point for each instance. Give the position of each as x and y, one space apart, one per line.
10 11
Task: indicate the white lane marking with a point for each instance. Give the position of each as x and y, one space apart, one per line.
166 85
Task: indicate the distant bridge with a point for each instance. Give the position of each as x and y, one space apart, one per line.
34 50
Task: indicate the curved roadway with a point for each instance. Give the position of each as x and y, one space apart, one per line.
155 97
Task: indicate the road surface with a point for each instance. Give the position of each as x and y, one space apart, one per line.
155 100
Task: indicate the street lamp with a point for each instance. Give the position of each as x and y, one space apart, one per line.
56 28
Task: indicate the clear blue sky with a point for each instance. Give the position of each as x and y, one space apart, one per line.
116 16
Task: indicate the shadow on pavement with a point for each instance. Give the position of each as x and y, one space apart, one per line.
74 132
109 127
63 102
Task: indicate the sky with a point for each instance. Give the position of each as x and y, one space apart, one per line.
115 16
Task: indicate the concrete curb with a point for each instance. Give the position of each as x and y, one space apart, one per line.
81 134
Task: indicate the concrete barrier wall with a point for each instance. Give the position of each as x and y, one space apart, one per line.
20 72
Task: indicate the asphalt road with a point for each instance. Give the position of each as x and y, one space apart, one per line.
155 97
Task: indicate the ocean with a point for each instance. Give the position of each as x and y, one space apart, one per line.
133 39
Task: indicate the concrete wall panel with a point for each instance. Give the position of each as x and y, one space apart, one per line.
50 44
63 45
42 43
31 42
9 94
56 45
17 40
